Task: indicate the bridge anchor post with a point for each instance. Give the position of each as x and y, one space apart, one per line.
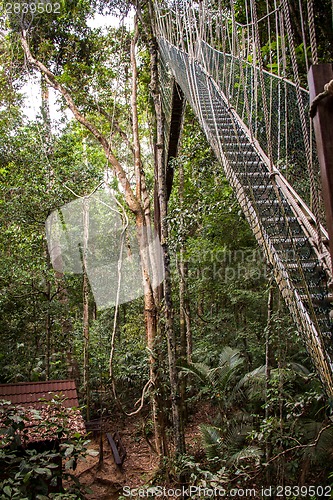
322 113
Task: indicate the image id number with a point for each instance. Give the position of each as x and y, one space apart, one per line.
303 491
32 7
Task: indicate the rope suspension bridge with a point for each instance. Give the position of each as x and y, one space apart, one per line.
257 122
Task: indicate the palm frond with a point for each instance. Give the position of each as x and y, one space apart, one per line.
300 370
248 453
254 379
229 362
229 357
199 370
212 441
236 435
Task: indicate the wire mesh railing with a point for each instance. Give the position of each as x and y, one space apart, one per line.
239 80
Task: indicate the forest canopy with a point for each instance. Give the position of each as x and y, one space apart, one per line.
128 263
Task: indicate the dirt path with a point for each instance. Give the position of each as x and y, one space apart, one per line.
107 481
140 465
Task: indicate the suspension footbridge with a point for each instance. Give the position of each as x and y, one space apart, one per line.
256 119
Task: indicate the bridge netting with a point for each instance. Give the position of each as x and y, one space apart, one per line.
257 123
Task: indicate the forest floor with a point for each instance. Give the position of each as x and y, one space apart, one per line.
109 482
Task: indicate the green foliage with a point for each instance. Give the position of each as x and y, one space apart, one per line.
218 381
27 472
30 290
322 434
239 442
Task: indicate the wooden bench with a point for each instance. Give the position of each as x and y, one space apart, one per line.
118 450
94 426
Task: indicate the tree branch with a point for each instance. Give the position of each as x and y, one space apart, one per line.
133 203
300 446
136 141
116 126
141 187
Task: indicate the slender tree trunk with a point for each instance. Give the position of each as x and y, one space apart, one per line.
48 324
135 121
150 315
187 311
183 323
85 293
200 308
86 384
151 329
268 361
48 151
184 307
281 367
182 329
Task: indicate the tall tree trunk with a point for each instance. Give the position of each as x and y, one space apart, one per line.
185 341
157 410
182 328
182 322
168 307
48 322
143 224
187 311
184 307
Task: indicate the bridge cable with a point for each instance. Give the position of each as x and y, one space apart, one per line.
312 32
314 192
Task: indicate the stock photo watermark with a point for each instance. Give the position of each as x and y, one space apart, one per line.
261 492
94 235
228 266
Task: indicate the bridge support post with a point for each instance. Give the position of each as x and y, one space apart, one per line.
177 114
319 75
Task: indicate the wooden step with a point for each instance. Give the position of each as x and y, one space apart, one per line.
261 187
274 201
253 174
298 240
305 265
318 300
279 219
